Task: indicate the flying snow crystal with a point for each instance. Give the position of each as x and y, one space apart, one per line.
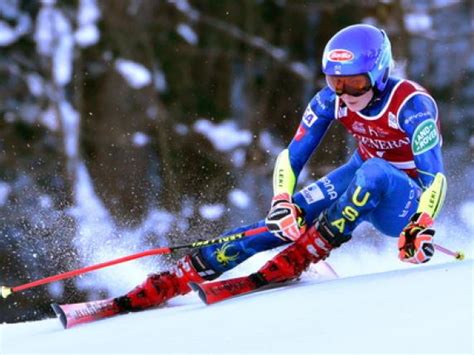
239 198
87 34
212 212
5 190
187 33
140 139
136 75
224 136
96 232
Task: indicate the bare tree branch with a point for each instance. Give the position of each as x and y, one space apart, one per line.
278 54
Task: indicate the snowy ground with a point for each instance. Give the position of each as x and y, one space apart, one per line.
419 309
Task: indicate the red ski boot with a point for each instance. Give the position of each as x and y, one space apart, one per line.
159 288
313 246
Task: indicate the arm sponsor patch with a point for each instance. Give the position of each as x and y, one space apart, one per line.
309 117
425 137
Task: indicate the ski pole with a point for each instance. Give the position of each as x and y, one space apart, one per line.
459 255
7 291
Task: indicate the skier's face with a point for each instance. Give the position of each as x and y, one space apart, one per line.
357 103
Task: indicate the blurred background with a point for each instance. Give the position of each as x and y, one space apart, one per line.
127 125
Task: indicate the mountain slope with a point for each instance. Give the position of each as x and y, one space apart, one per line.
421 309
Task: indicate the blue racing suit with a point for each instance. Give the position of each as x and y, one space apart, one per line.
398 156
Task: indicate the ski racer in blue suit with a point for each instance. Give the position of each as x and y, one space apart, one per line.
394 180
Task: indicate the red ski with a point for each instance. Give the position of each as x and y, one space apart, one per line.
212 292
78 313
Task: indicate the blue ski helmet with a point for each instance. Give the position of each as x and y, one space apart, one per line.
359 49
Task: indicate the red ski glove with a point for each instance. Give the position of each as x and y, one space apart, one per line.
415 244
285 218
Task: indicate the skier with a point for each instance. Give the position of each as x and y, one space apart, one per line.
394 180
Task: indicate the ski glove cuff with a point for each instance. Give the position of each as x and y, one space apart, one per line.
415 244
285 219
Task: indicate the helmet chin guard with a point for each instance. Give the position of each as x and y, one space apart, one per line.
359 49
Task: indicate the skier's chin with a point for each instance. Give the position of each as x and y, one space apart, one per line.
357 103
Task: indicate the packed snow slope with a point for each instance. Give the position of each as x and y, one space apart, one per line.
421 309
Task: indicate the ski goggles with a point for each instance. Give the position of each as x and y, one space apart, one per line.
353 85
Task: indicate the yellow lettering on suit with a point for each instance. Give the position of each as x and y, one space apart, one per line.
350 213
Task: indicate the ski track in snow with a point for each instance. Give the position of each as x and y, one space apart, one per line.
423 309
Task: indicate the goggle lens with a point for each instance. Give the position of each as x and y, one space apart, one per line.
353 85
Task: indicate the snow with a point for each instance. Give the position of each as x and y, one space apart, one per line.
45 201
136 75
181 129
96 228
267 142
70 121
88 12
211 211
5 190
238 157
54 38
140 139
224 136
187 33
9 35
35 84
87 34
159 81
239 198
418 22
49 118
9 9
376 313
467 213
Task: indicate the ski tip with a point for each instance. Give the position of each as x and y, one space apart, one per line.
60 313
196 288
